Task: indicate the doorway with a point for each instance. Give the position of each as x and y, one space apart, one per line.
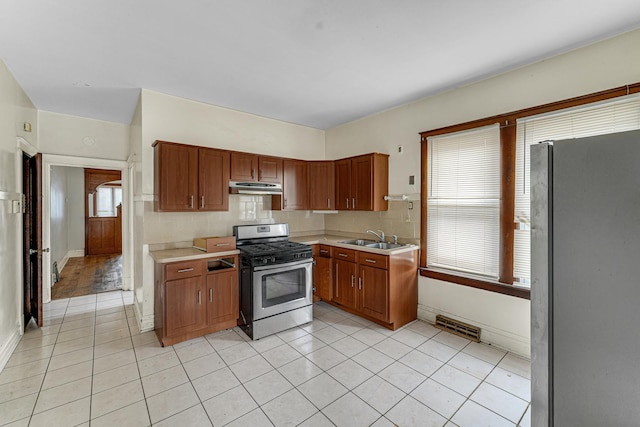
76 265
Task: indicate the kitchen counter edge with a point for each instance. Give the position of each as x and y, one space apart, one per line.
323 239
187 254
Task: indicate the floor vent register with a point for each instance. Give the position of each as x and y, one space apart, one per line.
459 328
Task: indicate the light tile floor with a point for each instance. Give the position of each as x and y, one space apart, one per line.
89 365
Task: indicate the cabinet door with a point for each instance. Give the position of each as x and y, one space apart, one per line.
295 185
222 297
184 306
373 288
244 167
343 184
344 291
323 278
361 183
176 180
270 169
213 186
322 188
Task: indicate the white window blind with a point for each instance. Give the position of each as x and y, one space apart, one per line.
463 201
601 118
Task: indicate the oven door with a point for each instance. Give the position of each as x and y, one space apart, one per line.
282 287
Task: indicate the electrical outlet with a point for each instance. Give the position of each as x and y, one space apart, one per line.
400 149
410 205
412 179
15 207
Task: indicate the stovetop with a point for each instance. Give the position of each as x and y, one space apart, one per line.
273 253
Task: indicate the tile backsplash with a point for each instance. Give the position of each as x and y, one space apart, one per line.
167 227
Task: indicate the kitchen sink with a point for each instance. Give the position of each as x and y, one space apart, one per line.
359 242
384 245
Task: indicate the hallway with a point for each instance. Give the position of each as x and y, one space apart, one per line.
89 275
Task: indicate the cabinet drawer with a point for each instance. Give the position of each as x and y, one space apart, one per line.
325 251
344 254
179 270
374 260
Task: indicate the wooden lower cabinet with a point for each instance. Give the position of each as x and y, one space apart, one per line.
322 272
344 291
194 298
378 287
373 290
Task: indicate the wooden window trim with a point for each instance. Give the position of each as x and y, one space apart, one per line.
507 124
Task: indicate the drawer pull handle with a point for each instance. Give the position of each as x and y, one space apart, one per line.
210 295
227 263
373 261
352 280
360 283
223 244
324 251
199 297
184 270
202 202
343 255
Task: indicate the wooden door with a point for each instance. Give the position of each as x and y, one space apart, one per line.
361 183
184 306
244 167
213 185
344 273
295 185
323 278
176 180
343 184
322 187
373 289
222 297
270 170
32 238
103 234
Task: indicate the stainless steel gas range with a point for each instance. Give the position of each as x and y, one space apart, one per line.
276 279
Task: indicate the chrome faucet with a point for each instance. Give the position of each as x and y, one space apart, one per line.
379 236
395 238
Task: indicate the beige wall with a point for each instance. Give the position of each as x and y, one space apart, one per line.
15 109
168 118
604 65
71 136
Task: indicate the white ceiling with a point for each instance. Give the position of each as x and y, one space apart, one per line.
318 63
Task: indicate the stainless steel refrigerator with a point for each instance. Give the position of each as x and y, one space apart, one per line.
585 292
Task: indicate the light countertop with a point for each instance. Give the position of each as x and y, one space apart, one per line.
327 239
187 254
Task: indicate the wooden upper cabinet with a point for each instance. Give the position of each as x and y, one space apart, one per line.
362 182
322 185
176 176
270 169
343 184
294 187
247 167
244 167
189 178
213 187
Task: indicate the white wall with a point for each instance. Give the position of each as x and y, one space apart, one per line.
15 109
59 217
75 210
81 137
611 63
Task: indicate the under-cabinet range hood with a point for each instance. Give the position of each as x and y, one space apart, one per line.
236 187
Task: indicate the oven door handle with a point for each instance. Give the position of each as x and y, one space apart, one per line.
288 264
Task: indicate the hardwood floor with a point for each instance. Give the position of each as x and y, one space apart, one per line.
89 275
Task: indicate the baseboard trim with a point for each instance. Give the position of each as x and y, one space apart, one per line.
489 335
145 323
8 348
75 253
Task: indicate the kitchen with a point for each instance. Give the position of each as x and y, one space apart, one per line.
504 319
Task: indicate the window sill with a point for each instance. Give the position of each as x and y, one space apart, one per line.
501 288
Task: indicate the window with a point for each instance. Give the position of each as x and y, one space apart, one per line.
459 242
600 118
463 203
107 200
